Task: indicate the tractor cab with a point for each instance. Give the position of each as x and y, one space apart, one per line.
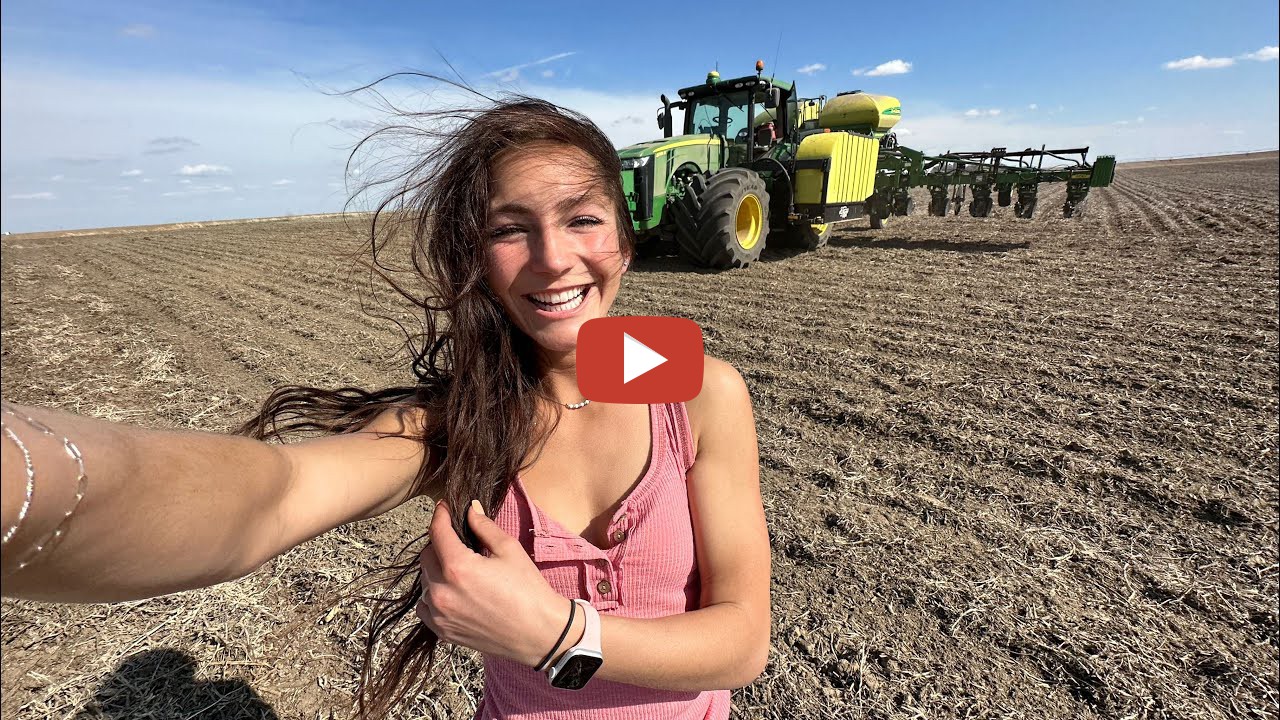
751 114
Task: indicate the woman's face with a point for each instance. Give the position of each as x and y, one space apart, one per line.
554 258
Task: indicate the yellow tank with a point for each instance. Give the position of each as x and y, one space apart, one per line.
852 168
861 111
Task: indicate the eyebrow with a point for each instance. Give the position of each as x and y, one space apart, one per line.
564 205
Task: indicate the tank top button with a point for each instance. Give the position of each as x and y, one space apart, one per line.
619 536
604 587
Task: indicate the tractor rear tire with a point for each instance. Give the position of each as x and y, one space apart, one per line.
809 237
722 222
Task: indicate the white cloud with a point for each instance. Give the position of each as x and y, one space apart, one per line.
204 170
198 190
147 180
1151 108
138 30
131 173
893 67
975 112
282 182
33 196
811 69
1033 106
1232 132
548 73
1270 52
512 74
1199 62
902 131
58 178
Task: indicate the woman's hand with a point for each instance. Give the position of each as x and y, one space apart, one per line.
498 605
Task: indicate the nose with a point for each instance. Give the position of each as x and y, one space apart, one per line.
553 251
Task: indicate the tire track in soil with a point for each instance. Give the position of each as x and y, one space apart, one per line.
1156 218
227 322
299 319
339 300
1196 209
207 359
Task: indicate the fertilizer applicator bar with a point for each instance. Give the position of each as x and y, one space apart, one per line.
1019 153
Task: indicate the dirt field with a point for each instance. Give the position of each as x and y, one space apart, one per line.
1015 469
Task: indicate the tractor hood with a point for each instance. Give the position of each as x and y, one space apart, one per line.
652 147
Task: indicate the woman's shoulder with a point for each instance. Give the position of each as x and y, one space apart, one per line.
724 397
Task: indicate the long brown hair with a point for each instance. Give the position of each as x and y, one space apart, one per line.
477 384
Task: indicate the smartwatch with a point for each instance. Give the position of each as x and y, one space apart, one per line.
581 661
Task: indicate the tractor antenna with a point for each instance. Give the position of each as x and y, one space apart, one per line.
776 51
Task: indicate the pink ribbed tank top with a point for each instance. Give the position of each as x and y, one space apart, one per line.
649 570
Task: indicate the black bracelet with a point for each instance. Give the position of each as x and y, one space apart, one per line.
573 609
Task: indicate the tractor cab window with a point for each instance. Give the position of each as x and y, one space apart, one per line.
726 116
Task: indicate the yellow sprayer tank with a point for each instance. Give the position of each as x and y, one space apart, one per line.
851 168
861 111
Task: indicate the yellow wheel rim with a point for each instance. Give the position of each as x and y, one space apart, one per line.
749 220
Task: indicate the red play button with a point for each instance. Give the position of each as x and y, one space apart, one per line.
646 360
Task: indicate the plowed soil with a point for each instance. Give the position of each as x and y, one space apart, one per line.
1016 469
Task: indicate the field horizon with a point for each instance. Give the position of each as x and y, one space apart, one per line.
155 227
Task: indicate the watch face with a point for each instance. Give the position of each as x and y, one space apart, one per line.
577 670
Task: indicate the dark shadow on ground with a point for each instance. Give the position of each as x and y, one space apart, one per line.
162 684
670 260
905 243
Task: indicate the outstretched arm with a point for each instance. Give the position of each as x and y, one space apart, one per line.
165 511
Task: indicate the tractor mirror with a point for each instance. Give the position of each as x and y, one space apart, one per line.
773 99
662 119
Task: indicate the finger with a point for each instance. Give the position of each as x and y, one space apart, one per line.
430 565
488 532
446 543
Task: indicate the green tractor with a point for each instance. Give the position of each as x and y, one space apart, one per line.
753 165
757 164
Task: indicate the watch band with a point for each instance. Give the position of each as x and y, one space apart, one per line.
579 663
591 636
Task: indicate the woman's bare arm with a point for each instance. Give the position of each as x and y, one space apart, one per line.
166 511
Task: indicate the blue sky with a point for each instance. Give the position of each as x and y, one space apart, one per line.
130 112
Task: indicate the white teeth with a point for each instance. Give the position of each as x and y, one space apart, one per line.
560 301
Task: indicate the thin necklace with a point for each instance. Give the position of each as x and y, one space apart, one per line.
578 405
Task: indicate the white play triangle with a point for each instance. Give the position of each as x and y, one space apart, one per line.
637 358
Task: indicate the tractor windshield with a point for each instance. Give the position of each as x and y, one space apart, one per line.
723 115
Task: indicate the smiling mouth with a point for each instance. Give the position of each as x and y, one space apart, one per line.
561 300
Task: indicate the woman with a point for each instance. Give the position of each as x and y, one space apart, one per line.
565 531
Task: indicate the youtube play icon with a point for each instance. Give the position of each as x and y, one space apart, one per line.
645 360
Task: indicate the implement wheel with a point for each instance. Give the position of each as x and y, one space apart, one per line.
722 221
809 237
980 207
1074 209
